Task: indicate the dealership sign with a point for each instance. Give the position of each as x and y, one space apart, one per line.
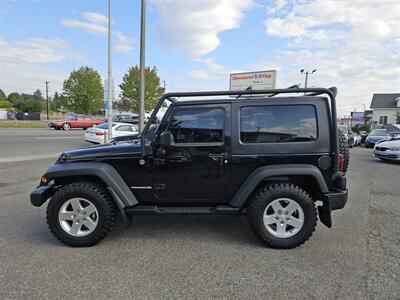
256 80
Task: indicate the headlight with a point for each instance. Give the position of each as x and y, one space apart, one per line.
394 149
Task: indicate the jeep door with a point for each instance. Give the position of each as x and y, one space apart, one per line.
194 168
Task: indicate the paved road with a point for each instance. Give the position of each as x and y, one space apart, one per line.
22 144
206 257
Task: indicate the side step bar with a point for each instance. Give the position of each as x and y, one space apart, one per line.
174 210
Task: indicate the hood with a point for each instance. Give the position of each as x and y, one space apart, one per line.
100 152
377 137
390 144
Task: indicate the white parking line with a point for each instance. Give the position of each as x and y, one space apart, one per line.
29 157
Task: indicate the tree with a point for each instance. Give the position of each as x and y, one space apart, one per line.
5 104
58 102
124 104
130 89
83 91
16 100
30 103
2 95
38 95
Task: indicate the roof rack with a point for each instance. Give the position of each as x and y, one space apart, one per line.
331 92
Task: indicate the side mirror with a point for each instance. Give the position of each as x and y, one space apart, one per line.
166 139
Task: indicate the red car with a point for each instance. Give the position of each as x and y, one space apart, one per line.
74 121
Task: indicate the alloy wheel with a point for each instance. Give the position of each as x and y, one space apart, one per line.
283 218
78 217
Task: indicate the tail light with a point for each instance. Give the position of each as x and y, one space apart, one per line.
341 162
99 133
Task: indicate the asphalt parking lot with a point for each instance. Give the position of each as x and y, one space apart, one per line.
195 257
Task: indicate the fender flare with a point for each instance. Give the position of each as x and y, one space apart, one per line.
119 190
262 173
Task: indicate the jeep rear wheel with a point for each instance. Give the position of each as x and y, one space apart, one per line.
282 215
81 214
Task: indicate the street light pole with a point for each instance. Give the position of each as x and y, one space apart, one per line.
307 73
47 99
110 92
142 64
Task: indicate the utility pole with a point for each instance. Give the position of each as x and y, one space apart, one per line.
307 73
110 85
142 64
47 99
164 85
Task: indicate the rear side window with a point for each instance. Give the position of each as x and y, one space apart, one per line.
278 124
197 125
124 128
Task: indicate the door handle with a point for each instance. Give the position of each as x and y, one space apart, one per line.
216 156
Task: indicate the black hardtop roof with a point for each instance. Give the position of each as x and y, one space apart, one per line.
294 99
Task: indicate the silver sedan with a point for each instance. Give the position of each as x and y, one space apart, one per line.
388 150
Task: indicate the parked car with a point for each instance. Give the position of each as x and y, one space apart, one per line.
348 133
96 134
388 150
133 138
363 135
76 121
133 119
375 136
357 139
209 157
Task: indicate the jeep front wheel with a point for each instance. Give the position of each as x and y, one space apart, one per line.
282 215
81 214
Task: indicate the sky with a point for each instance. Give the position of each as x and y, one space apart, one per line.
196 44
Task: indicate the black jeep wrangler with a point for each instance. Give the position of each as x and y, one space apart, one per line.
272 155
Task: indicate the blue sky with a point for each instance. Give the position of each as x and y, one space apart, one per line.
197 44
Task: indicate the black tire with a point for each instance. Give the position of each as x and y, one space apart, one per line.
97 195
344 150
268 193
57 128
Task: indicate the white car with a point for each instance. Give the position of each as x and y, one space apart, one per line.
97 134
388 150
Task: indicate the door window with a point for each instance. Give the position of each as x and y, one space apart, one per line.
278 123
197 125
124 128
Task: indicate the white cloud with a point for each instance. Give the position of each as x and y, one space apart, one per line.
27 77
87 27
194 26
352 44
95 17
124 44
38 50
97 24
24 64
212 70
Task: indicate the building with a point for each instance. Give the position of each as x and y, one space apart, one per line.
386 109
361 118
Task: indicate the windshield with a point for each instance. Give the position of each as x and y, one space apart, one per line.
105 125
71 117
379 132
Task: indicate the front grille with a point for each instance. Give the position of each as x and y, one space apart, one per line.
381 148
